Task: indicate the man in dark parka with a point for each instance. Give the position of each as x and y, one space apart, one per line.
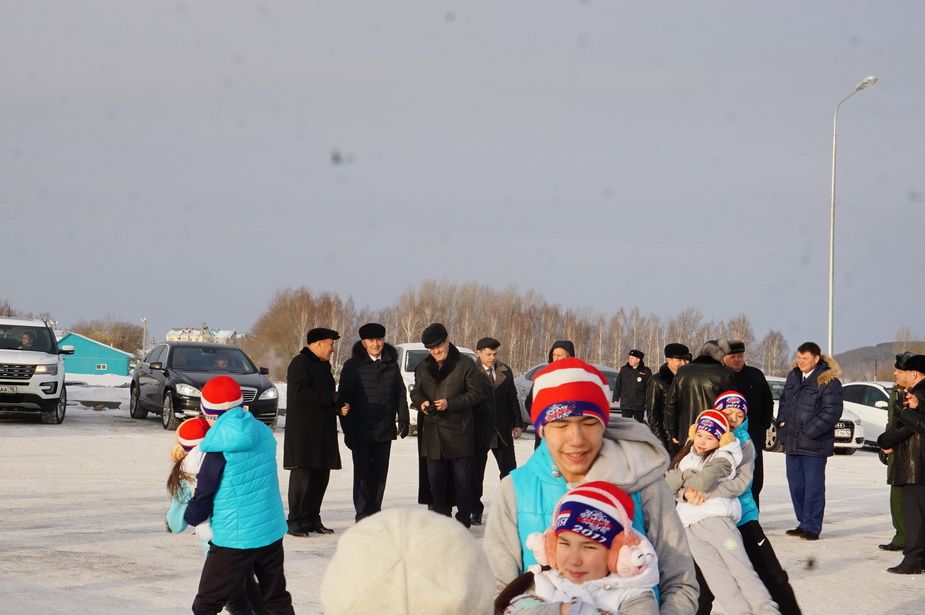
371 384
498 422
675 356
447 386
630 386
310 449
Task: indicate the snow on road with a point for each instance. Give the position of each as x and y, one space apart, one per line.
82 506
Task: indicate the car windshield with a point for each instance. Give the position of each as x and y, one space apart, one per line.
219 360
37 339
413 357
776 388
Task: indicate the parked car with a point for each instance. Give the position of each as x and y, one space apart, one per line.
409 355
870 399
169 382
524 383
32 369
849 433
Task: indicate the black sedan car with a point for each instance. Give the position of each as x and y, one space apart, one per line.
169 382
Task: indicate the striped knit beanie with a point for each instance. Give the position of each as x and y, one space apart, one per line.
569 387
220 395
714 423
598 510
191 432
730 400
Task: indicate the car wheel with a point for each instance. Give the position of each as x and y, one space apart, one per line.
845 451
53 410
168 418
135 409
771 441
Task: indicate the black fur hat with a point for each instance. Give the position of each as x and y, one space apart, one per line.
372 331
434 335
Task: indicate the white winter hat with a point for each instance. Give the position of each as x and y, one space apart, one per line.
405 561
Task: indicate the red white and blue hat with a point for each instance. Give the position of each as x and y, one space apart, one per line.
597 510
713 422
566 388
220 395
191 432
731 399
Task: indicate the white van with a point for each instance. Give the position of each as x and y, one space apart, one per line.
409 355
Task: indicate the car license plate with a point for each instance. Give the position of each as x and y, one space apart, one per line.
7 388
246 408
842 433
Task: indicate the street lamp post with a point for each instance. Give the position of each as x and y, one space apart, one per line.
863 85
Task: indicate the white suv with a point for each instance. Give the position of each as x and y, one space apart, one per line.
32 369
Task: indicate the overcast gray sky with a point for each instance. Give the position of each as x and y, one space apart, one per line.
173 159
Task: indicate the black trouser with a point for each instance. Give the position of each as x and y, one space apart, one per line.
504 457
246 598
758 476
306 491
370 470
764 561
638 413
914 517
438 474
226 569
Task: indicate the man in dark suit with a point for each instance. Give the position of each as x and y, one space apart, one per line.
310 449
447 386
497 421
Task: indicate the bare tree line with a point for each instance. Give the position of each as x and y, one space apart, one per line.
524 322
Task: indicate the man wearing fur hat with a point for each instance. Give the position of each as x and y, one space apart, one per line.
571 412
694 388
657 389
497 421
311 450
630 386
447 386
751 383
809 407
905 437
371 385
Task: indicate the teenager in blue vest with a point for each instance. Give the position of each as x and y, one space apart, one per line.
238 488
571 412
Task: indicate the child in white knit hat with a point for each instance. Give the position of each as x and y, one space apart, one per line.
590 560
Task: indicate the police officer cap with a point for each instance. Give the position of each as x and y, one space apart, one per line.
372 331
320 333
434 335
488 342
676 351
637 353
915 363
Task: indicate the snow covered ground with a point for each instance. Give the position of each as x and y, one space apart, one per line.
82 505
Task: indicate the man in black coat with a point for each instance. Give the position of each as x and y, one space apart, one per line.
905 438
447 386
694 389
630 386
310 450
497 421
676 355
371 385
751 383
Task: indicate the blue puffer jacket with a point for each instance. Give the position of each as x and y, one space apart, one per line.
809 410
248 510
747 500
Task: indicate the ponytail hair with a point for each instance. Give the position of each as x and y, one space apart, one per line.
176 472
515 588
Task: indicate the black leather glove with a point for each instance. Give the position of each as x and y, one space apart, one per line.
403 429
349 440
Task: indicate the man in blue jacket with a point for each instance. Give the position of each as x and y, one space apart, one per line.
810 406
238 488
